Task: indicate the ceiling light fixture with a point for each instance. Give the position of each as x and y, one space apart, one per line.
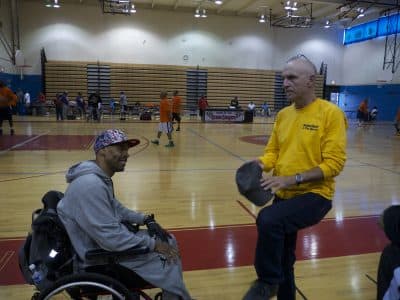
197 14
53 3
262 19
133 9
327 24
218 2
204 14
289 6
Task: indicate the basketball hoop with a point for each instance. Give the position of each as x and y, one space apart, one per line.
20 63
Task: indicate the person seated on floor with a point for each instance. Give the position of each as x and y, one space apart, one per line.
234 103
373 114
94 218
390 257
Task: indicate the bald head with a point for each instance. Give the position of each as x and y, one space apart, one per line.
303 62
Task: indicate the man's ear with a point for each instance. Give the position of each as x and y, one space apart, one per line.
312 79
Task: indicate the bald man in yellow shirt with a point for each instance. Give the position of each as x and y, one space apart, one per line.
306 150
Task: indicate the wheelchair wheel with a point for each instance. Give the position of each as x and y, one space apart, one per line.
87 286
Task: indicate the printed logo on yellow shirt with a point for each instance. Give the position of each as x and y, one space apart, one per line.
310 127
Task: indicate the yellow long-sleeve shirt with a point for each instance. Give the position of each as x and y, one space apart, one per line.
314 136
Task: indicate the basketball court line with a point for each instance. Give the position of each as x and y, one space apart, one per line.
216 145
23 143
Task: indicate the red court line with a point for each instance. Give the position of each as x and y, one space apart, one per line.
234 246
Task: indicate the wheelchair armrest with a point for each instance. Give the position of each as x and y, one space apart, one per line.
101 253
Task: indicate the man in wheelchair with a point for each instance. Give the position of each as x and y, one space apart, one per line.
95 221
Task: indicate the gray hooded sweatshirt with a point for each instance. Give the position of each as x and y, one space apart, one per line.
92 217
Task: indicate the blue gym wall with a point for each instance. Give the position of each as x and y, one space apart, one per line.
385 97
29 83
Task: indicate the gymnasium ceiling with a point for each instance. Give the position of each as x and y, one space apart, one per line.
342 13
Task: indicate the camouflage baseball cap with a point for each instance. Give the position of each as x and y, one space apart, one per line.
112 137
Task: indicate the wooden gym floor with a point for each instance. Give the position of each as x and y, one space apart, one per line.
191 190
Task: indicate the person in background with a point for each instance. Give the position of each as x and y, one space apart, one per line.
7 100
20 102
165 124
93 103
234 103
373 114
112 106
252 107
305 153
265 109
176 109
123 104
362 112
59 107
65 102
80 105
203 105
27 103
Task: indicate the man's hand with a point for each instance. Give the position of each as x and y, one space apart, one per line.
275 183
170 253
155 229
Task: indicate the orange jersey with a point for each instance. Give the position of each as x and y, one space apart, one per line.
165 110
9 95
363 107
176 104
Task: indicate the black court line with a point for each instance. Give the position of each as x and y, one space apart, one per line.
377 167
301 293
216 145
41 174
370 278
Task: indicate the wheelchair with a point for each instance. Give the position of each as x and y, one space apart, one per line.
64 275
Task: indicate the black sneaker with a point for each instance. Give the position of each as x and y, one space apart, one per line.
12 131
155 142
261 291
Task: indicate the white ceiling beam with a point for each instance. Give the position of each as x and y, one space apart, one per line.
176 4
221 7
153 3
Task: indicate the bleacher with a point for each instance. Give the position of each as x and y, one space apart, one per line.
143 83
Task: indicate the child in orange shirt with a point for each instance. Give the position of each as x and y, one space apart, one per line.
176 109
165 124
7 99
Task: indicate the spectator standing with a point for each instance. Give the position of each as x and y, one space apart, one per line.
176 109
265 109
27 103
7 100
59 107
362 112
251 107
123 104
165 124
80 105
203 105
